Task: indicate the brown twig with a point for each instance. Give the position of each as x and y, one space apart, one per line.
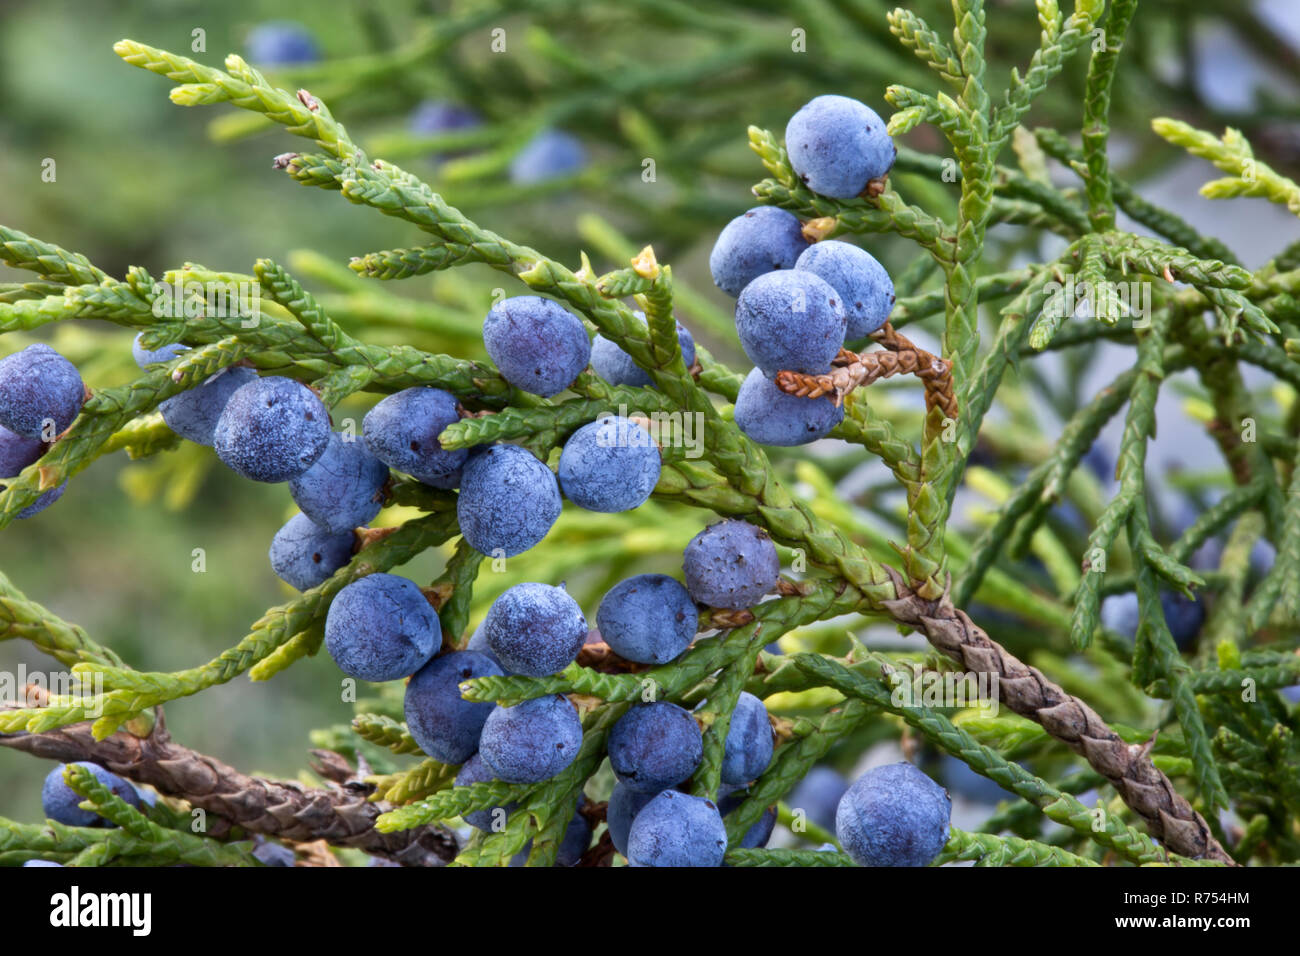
1026 691
899 356
339 813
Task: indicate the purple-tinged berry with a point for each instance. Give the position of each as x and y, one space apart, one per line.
403 429
538 345
145 357
790 320
730 798
490 819
41 392
615 366
532 741
818 796
193 414
444 724
62 804
272 429
508 501
609 465
865 288
770 416
731 564
344 489
838 145
893 816
676 829
381 627
756 242
748 748
655 746
535 629
305 555
624 804
649 619
548 155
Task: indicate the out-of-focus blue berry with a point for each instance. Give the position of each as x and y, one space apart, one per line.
303 554
193 414
818 796
959 778
772 417
444 724
649 618
615 366
837 145
537 344
381 627
508 501
272 429
145 357
274 854
41 392
62 804
893 816
748 748
624 804
731 564
761 240
548 155
432 117
655 746
729 799
281 43
1184 616
344 489
865 288
403 429
491 819
790 320
532 741
41 863
535 629
609 465
676 829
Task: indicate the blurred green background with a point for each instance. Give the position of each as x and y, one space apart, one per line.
140 181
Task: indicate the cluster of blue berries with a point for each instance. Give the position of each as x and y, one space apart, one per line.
796 303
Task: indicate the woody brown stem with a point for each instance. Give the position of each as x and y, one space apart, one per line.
1024 689
852 370
340 814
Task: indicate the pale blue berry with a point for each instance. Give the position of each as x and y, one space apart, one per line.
532 741
344 489
535 629
194 413
676 829
272 429
893 816
537 344
548 155
865 288
837 145
731 564
790 320
41 392
304 555
609 465
649 619
403 429
381 627
508 501
655 746
444 724
770 416
756 242
748 747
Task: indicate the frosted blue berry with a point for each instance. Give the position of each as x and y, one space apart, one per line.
790 320
478 643
865 288
145 357
193 414
761 240
676 829
281 43
272 429
381 627
893 816
548 155
304 555
42 863
344 489
624 804
729 800
837 145
532 741
491 819
649 619
60 802
535 629
748 749
731 564
508 501
574 843
655 746
609 465
772 417
818 795
403 429
444 724
538 345
41 392
615 366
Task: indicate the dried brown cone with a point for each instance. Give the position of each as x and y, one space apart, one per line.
852 370
339 814
1025 690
